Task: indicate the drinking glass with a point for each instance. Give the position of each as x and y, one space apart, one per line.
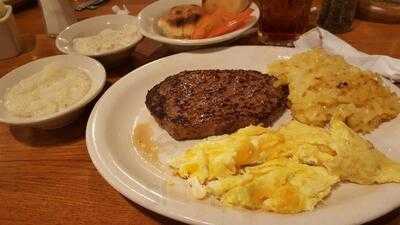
282 21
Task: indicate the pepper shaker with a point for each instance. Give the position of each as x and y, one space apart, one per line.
337 15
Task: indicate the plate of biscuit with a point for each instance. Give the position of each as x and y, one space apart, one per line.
195 22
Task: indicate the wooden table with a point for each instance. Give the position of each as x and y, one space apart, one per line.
46 177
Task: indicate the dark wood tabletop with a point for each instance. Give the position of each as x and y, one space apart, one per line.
47 177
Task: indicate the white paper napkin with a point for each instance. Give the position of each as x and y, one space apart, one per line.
318 37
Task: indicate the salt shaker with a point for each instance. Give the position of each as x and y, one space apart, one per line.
57 14
337 15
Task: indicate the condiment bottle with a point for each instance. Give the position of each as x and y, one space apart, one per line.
337 15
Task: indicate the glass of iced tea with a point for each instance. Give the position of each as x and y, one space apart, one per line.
282 21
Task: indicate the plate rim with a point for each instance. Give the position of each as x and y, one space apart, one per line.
141 200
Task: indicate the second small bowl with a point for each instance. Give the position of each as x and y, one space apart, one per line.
93 26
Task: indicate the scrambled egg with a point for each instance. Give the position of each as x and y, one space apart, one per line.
322 86
286 171
357 160
280 185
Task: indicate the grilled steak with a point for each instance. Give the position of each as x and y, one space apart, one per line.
201 103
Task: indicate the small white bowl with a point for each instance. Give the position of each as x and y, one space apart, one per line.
93 26
93 69
150 15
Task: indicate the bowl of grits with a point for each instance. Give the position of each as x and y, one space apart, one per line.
50 92
108 38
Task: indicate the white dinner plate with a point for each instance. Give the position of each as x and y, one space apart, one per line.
149 183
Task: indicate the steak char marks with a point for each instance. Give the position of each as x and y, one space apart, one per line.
201 103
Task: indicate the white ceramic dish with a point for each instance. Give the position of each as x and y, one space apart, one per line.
108 138
149 16
10 43
93 26
94 70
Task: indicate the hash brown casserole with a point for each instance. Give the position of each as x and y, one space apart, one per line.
322 86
